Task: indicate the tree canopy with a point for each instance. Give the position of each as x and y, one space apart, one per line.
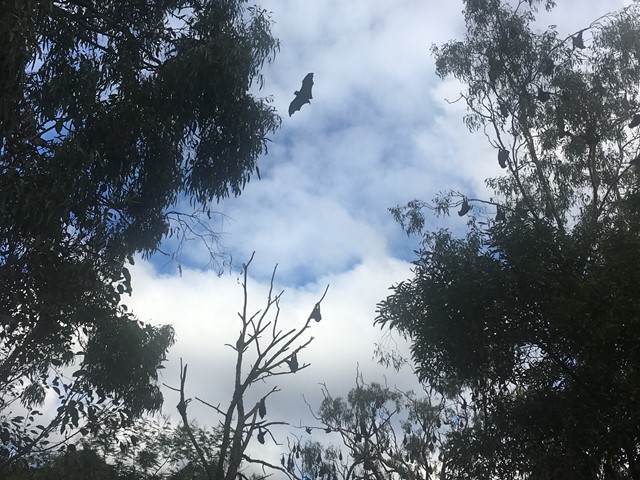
386 433
531 318
111 113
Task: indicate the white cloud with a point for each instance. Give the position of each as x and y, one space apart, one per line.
203 309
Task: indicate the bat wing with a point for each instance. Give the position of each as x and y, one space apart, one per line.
296 104
307 83
303 95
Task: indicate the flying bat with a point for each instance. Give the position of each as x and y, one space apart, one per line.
303 95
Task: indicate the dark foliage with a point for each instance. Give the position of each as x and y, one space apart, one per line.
533 318
110 112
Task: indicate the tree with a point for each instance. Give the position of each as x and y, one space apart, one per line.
386 434
81 464
154 449
111 113
531 318
272 352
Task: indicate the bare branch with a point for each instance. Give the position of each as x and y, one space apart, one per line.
273 352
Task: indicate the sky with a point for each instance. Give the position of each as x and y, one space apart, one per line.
378 133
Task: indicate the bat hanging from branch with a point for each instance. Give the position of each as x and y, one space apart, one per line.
577 40
292 362
464 209
315 314
303 95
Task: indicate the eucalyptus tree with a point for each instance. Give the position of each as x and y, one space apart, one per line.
383 433
111 113
531 318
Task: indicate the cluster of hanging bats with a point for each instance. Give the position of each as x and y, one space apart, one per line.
590 137
292 363
322 469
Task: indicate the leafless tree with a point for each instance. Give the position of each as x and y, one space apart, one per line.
274 352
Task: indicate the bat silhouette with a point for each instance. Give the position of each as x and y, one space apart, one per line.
504 109
315 314
635 121
548 66
465 208
577 41
503 157
303 95
562 132
292 362
543 95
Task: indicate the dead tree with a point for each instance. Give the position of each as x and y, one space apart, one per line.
274 352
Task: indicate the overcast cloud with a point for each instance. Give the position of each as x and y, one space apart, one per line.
377 133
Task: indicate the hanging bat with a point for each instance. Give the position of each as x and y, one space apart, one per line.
494 70
262 408
562 132
293 363
547 66
503 157
504 109
577 40
315 314
635 121
465 208
303 95
543 95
